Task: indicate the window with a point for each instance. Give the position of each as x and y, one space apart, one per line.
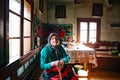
88 30
19 28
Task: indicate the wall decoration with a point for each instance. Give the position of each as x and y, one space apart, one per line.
77 1
64 31
97 9
36 31
60 11
41 5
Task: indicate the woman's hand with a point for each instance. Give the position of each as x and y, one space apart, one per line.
61 63
58 63
54 63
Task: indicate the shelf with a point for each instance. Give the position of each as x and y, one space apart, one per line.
115 25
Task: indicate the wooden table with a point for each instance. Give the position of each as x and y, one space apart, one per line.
83 55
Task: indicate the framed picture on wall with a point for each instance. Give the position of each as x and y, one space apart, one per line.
97 9
60 11
41 5
77 1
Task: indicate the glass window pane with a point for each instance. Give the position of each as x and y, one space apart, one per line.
14 25
83 26
83 39
93 26
15 5
83 31
83 36
92 40
27 28
14 49
27 10
92 34
27 45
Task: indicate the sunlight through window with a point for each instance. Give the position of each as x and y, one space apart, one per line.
88 32
19 29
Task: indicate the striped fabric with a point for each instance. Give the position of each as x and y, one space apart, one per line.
66 73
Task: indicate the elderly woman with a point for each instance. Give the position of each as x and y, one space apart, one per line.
53 58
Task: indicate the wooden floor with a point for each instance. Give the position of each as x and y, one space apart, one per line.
100 74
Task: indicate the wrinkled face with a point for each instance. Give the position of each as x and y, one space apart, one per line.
54 40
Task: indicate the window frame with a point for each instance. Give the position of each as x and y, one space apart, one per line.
97 20
22 18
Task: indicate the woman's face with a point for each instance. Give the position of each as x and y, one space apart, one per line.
54 40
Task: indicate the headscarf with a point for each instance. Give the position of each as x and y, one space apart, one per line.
49 38
54 49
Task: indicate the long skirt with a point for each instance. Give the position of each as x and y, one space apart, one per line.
66 74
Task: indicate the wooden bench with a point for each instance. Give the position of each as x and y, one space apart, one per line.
108 61
21 69
35 74
105 46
